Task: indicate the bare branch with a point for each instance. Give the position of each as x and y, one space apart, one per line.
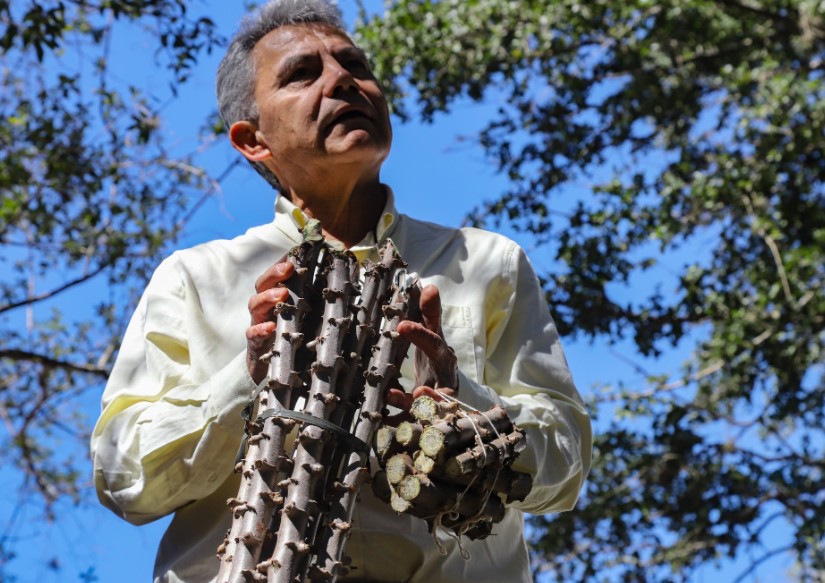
16 354
215 188
755 564
46 295
753 9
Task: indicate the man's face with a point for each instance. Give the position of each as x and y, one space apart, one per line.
318 102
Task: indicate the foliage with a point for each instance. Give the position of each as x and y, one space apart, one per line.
90 192
700 125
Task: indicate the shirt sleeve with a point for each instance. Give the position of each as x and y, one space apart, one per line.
526 372
169 429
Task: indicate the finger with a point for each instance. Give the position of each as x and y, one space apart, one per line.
258 343
437 394
400 399
426 340
258 335
436 349
430 305
278 273
261 304
257 369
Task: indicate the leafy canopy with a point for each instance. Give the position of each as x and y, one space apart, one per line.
91 192
699 126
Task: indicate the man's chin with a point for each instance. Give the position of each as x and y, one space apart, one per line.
356 142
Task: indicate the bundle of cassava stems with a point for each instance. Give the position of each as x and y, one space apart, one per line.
335 354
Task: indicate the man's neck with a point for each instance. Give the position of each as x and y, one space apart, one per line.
347 213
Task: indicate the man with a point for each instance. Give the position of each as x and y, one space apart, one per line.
304 109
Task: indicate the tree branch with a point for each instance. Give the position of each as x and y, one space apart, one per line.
216 187
15 354
774 249
46 295
759 11
755 564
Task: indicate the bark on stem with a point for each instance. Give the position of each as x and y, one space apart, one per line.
301 505
258 493
456 432
376 292
390 351
507 447
429 498
368 315
515 485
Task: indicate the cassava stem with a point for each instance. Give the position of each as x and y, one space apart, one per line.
280 531
264 458
452 467
375 293
389 352
300 505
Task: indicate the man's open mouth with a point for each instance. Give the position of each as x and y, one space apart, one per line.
351 115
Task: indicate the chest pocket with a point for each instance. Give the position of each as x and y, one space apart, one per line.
457 323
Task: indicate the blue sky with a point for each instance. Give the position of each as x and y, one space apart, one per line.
435 177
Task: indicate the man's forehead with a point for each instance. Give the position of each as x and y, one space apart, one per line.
297 37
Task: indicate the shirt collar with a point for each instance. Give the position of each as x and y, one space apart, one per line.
290 219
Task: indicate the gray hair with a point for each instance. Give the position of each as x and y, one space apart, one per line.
236 73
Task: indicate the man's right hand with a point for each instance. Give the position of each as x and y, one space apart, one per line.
269 292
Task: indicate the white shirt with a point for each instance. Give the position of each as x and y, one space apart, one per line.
171 412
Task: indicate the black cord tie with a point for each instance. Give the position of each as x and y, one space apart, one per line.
355 444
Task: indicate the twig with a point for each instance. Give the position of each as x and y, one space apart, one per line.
16 354
755 564
46 295
205 196
774 249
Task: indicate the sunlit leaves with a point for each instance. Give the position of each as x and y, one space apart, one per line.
699 128
91 192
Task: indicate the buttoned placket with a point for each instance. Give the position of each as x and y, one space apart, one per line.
290 220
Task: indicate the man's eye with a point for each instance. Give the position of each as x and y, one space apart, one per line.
357 66
299 74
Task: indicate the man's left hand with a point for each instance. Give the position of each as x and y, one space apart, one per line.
433 354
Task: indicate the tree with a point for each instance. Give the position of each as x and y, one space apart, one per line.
91 192
700 125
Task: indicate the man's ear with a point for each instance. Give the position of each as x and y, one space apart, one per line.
244 138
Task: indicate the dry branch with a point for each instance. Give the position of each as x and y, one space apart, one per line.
301 506
422 463
454 467
337 345
455 432
428 410
497 452
259 493
382 373
385 442
398 467
408 434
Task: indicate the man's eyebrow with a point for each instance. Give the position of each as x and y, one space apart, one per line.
293 61
351 51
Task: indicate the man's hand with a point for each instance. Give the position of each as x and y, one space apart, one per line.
268 294
436 364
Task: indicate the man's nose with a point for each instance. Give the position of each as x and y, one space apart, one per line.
337 77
